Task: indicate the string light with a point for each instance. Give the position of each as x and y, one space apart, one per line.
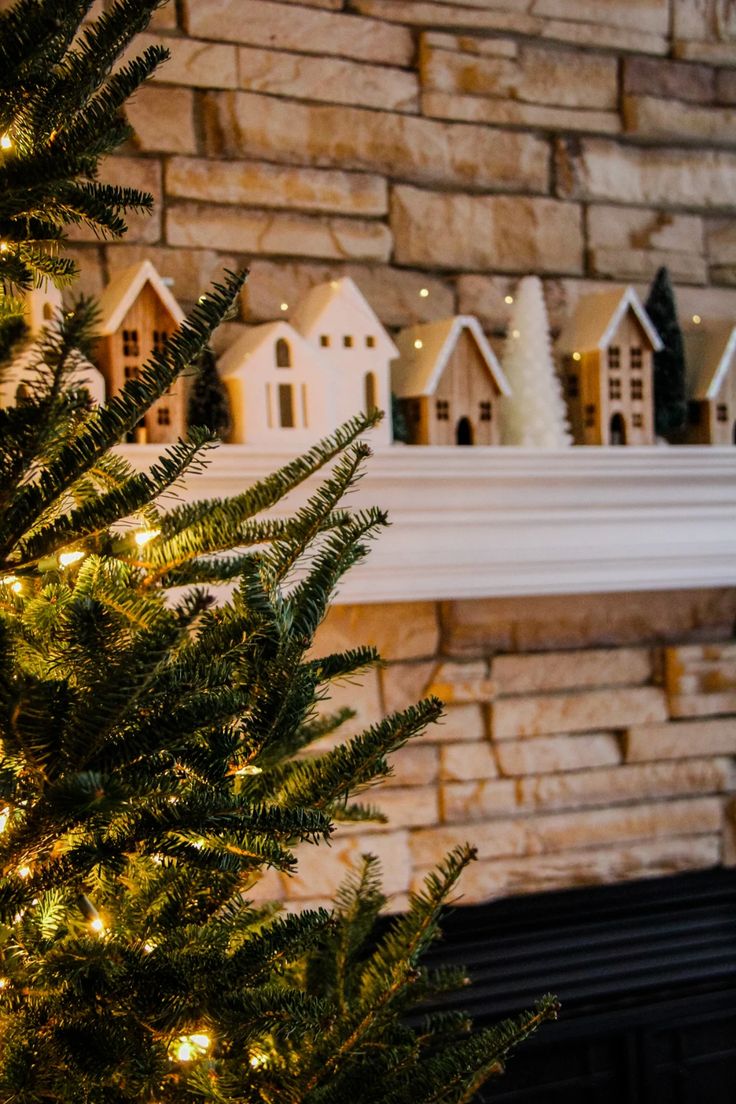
24 872
508 299
697 319
66 559
418 344
3 247
284 306
191 1046
6 142
201 1040
3 982
185 1051
97 925
577 356
4 814
258 1059
424 293
515 334
249 769
149 948
143 536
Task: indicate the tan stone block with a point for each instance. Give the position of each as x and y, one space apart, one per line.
557 753
593 168
362 695
91 280
681 740
189 271
628 783
205 225
508 233
651 16
417 764
164 19
495 839
462 682
702 705
644 228
726 86
670 79
692 18
163 119
459 723
280 27
585 711
716 53
467 762
130 172
404 684
321 869
668 120
536 75
393 293
483 881
409 807
506 112
333 80
524 674
403 146
399 630
643 264
467 802
720 238
193 62
268 887
468 44
479 626
258 184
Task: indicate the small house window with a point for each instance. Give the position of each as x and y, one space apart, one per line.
283 355
160 341
614 388
370 342
347 341
164 416
573 386
370 392
132 371
486 411
286 405
637 420
635 357
324 340
590 415
443 410
131 343
637 389
614 357
722 412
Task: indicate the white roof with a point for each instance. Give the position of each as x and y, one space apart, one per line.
598 316
122 292
345 297
419 370
709 355
235 359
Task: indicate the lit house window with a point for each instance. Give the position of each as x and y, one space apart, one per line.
283 354
286 405
324 340
370 342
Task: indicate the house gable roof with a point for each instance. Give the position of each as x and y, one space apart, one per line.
419 370
124 289
234 359
345 296
598 316
709 355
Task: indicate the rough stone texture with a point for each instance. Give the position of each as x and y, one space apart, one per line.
644 76
402 630
502 112
528 674
663 120
403 684
354 138
468 802
415 765
511 233
682 740
131 172
462 682
549 754
409 807
321 869
632 244
193 62
586 711
163 119
467 762
203 225
191 270
362 695
642 264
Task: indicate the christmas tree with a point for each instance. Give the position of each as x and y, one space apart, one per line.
153 741
534 415
670 403
208 402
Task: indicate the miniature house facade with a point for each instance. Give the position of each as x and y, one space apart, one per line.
281 392
710 353
336 319
449 383
42 307
606 352
138 315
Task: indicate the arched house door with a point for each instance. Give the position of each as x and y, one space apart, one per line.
464 432
617 431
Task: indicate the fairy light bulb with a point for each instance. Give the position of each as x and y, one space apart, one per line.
4 814
3 247
424 293
418 344
3 983
149 948
251 768
577 356
508 299
184 1051
6 142
257 1060
201 1040
144 536
24 872
515 334
697 319
97 925
284 306
66 559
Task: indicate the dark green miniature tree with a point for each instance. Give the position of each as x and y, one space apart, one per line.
670 400
152 740
208 401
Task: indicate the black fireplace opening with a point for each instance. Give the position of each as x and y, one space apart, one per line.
646 975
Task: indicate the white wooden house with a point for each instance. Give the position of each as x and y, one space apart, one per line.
710 355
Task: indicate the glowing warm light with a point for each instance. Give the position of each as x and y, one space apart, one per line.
199 844
697 319
97 925
191 1046
258 1060
201 1040
6 142
418 344
284 306
250 769
508 299
66 559
148 948
24 871
577 356
424 293
515 333
143 536
3 982
4 818
185 1051
334 283
3 247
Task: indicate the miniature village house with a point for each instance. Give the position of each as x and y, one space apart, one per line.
138 315
337 320
42 307
710 355
281 391
606 351
449 382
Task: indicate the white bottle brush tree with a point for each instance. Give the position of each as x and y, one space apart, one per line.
534 415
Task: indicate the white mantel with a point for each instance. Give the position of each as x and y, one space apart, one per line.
482 522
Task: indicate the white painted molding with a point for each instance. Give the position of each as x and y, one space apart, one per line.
481 522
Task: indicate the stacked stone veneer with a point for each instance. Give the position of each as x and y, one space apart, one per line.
439 144
586 739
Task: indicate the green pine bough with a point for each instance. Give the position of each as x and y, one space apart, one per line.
155 745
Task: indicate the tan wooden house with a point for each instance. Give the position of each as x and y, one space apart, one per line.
606 353
449 382
139 314
710 355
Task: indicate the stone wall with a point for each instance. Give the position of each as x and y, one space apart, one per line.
439 144
584 740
